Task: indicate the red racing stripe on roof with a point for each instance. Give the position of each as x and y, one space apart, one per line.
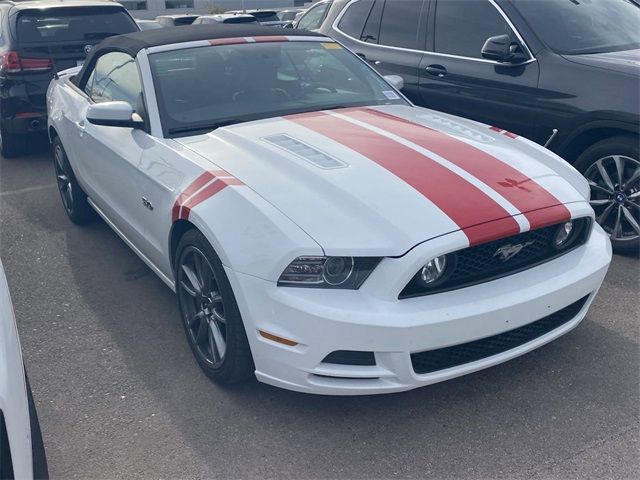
239 40
228 41
521 191
464 203
271 38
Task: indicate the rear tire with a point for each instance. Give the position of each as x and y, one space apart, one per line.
209 312
11 144
612 167
74 200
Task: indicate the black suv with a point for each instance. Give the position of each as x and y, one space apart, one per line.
564 73
37 39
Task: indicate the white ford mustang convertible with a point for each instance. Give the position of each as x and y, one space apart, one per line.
319 230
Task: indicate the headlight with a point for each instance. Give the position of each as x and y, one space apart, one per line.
437 270
563 235
328 272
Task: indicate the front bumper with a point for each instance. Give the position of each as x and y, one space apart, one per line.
324 321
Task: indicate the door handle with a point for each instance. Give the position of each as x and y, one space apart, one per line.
437 70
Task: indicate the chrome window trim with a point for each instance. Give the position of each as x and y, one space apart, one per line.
532 58
339 18
513 28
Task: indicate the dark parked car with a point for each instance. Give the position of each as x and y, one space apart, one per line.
564 73
178 20
38 38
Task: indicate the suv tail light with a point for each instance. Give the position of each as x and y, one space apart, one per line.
12 63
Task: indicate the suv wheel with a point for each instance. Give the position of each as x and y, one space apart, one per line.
612 168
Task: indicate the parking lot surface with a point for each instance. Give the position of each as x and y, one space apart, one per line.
120 396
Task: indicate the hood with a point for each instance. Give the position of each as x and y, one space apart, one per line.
382 180
626 61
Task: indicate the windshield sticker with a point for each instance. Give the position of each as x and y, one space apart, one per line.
332 46
391 95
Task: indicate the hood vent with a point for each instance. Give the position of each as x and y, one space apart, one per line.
304 151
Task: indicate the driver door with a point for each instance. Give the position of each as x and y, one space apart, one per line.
110 156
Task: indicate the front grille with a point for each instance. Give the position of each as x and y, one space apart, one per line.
434 360
483 263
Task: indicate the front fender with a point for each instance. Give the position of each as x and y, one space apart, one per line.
250 235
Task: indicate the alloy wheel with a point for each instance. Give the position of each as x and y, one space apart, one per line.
202 306
63 178
615 196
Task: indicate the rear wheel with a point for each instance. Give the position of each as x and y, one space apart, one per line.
210 314
612 168
74 200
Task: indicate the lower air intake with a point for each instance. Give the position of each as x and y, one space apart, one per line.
434 360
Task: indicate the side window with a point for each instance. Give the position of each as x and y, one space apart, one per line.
115 77
399 24
354 18
314 17
462 27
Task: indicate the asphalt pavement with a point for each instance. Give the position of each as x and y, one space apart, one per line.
120 396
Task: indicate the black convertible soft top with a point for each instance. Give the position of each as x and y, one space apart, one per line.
132 43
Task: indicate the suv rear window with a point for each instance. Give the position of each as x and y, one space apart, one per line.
266 16
181 21
72 24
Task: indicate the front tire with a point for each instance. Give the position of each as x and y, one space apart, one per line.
74 200
209 312
612 167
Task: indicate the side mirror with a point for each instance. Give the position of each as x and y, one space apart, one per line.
498 49
288 25
396 80
502 49
114 114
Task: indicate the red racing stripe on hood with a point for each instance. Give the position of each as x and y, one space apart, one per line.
464 203
521 191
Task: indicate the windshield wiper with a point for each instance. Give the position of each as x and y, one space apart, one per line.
210 127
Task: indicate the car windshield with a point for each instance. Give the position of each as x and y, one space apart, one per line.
200 89
288 16
584 26
72 24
